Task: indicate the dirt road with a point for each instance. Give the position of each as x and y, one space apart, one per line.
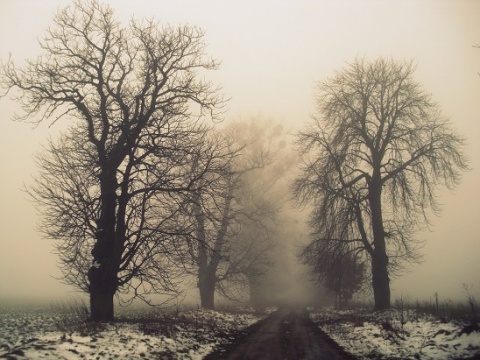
287 334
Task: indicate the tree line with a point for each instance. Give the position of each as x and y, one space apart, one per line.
146 184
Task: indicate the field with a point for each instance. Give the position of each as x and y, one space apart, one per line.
63 332
401 333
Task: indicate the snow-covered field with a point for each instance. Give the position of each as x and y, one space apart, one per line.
396 334
63 333
48 333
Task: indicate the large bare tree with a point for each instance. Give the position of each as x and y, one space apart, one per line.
374 154
136 100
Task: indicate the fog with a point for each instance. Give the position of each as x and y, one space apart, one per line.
272 55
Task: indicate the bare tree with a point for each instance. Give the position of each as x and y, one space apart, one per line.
374 153
135 98
233 214
333 265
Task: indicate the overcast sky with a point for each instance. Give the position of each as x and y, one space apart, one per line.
272 54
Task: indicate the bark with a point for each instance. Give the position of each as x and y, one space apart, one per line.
380 281
206 281
380 278
254 292
206 286
208 265
102 290
102 275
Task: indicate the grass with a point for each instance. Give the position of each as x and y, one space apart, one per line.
65 326
465 311
74 316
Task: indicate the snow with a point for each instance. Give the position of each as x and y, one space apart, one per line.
396 334
49 334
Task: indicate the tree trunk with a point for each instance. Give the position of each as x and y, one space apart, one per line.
102 275
208 265
207 291
102 292
380 278
206 278
380 281
254 292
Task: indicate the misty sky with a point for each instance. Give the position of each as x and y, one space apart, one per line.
272 54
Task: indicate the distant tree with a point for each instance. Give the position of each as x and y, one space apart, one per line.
376 150
136 99
340 270
233 216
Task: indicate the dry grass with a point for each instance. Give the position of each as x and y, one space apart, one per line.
465 311
74 316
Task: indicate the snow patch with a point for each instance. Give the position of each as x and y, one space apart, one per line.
35 334
398 334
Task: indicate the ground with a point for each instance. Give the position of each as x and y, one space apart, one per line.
287 334
53 333
400 334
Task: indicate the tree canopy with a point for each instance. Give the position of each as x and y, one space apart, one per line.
374 154
135 97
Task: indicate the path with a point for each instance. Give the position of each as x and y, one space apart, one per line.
285 335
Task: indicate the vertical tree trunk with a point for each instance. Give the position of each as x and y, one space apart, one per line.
206 286
206 278
102 291
254 291
380 281
102 275
380 278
